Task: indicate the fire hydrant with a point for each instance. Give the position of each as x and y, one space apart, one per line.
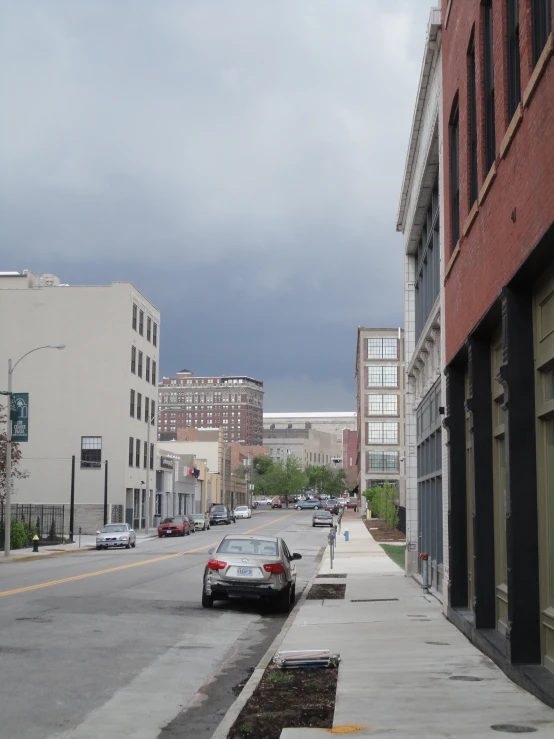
346 535
35 544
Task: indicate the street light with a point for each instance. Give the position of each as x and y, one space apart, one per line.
225 447
8 516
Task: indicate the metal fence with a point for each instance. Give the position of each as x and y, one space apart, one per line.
47 521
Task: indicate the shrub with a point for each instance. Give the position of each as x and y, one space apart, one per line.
382 502
19 538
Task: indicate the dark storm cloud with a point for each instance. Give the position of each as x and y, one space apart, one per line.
239 161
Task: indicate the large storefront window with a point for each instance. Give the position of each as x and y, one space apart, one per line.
429 481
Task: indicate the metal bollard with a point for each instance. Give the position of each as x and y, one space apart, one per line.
80 530
331 539
35 544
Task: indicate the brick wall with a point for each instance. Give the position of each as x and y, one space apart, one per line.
519 207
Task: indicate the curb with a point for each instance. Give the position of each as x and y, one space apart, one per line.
246 693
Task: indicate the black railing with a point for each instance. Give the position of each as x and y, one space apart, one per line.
46 521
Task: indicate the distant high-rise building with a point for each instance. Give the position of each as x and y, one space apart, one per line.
234 403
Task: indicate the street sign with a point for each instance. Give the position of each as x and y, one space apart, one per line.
20 417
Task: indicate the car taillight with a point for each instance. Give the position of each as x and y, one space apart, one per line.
275 568
216 564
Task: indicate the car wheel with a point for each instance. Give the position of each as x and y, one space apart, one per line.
316 508
313 525
134 544
284 600
208 528
159 536
207 600
297 507
98 548
128 545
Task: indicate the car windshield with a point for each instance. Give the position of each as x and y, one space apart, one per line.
219 509
324 514
241 508
197 516
248 546
114 527
175 519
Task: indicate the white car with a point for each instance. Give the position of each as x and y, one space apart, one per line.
243 511
116 535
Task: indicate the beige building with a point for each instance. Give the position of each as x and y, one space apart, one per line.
309 446
95 400
380 375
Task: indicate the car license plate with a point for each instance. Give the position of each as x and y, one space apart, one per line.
169 532
244 571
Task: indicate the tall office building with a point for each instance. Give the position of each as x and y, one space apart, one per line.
234 403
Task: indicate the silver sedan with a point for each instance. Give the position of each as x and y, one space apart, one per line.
254 567
116 535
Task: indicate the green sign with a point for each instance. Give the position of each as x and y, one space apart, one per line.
20 416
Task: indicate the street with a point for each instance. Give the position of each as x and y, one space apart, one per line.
116 642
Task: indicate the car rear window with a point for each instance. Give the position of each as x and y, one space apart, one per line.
248 546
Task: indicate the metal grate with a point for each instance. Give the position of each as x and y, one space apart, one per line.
372 600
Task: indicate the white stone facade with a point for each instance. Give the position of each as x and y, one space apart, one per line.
82 392
425 342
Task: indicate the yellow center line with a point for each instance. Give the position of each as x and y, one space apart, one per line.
126 567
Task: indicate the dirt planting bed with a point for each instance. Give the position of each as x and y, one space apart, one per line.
326 591
381 531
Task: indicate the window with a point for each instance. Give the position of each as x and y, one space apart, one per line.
137 452
151 456
472 105
514 76
139 406
382 461
378 348
91 451
152 411
427 272
155 334
140 364
148 328
455 175
382 405
146 407
133 359
488 82
145 455
131 444
381 433
542 25
382 375
147 374
134 322
132 408
153 372
141 323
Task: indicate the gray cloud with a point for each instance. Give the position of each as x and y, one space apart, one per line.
239 160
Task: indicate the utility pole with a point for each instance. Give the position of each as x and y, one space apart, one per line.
105 492
72 499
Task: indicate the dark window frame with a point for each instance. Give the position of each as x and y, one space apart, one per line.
147 370
139 406
454 145
154 368
488 85
134 319
148 328
144 455
513 56
91 456
473 128
155 334
541 26
427 267
137 453
134 360
153 411
146 409
151 456
139 368
131 450
141 323
132 404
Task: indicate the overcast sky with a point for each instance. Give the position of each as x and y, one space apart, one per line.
240 161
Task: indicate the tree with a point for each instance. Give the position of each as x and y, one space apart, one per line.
285 480
326 481
382 502
17 473
262 466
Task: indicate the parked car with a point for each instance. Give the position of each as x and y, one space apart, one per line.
352 503
332 506
276 503
253 567
322 518
116 535
243 511
192 524
201 521
220 514
174 526
313 504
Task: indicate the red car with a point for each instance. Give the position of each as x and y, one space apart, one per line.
352 503
174 526
276 503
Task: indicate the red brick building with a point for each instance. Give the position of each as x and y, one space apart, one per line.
498 132
350 457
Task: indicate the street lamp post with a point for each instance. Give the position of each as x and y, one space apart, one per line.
8 481
225 447
150 499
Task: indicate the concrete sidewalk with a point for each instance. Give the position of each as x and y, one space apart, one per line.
53 550
405 670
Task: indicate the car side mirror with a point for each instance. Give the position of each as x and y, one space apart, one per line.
211 551
296 556
97 532
131 531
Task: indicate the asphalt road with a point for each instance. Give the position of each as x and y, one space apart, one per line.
116 643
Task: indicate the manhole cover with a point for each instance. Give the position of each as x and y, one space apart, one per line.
372 600
466 678
513 728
